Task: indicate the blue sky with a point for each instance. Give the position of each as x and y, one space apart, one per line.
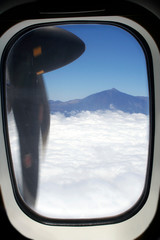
113 59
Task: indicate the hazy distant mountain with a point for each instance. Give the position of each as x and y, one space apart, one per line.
106 100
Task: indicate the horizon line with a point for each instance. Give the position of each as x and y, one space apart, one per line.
97 93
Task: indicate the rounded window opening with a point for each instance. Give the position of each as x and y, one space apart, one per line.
77 101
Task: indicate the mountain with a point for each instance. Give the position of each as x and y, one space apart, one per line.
106 100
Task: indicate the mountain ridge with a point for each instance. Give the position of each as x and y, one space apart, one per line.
111 99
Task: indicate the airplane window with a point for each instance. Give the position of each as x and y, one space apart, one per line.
77 106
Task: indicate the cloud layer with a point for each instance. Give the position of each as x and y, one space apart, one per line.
94 164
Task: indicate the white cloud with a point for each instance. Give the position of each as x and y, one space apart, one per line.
94 166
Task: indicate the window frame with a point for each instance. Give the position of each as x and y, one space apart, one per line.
13 204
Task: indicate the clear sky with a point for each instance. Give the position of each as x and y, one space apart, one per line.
113 59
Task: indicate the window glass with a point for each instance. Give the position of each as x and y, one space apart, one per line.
77 100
